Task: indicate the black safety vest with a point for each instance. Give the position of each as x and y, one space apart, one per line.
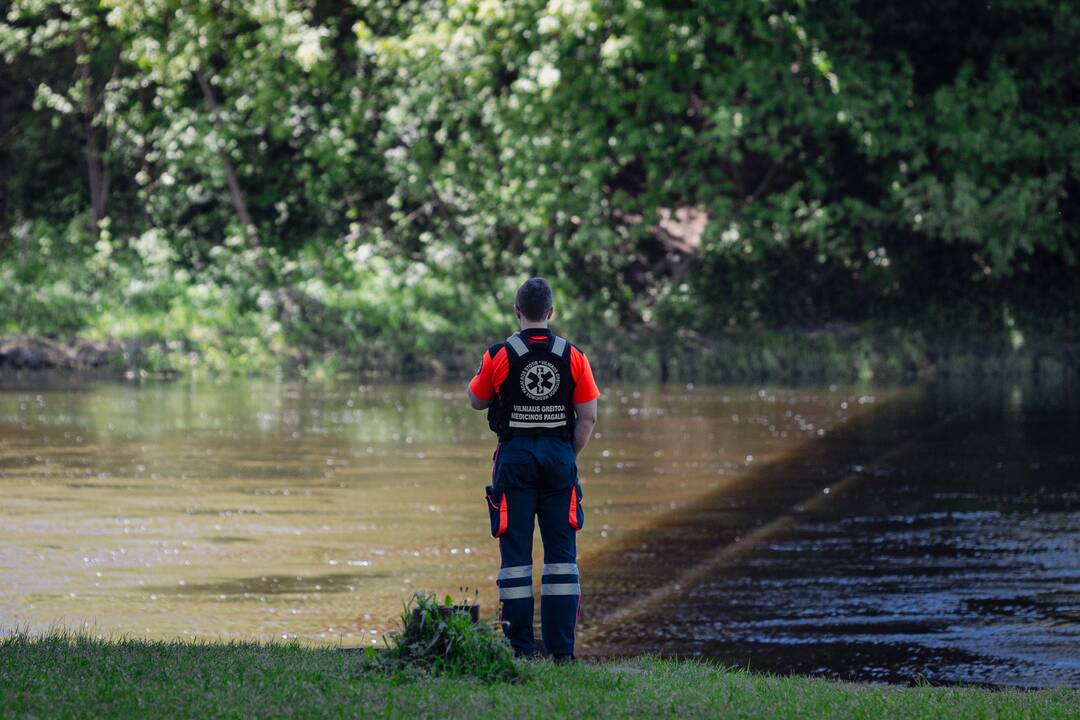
537 396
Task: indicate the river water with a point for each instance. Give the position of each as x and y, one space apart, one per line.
881 534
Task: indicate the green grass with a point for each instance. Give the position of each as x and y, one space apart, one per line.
71 676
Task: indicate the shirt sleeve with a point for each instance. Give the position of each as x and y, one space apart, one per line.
585 388
490 375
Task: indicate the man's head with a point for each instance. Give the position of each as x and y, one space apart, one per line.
533 303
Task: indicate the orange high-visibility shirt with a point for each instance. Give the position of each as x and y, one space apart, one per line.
493 369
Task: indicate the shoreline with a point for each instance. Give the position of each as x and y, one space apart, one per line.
776 357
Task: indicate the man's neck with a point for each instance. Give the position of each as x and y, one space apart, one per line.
529 325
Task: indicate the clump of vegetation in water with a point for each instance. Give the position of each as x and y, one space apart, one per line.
443 639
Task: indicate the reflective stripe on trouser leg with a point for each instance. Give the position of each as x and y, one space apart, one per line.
515 583
560 587
516 599
560 579
515 576
559 596
560 568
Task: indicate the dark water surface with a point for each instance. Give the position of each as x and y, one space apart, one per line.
935 538
849 532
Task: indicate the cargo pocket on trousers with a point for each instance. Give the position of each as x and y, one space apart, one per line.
577 512
496 511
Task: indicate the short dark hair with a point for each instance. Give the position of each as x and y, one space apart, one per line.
534 299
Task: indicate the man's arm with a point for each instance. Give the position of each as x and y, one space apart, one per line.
475 402
586 421
481 389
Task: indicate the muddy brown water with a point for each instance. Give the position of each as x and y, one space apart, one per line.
880 534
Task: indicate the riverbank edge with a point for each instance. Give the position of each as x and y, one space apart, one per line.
78 676
843 354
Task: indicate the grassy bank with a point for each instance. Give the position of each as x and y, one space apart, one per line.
79 677
326 311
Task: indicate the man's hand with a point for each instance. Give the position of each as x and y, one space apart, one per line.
586 421
477 403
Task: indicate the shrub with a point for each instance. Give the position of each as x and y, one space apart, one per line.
443 640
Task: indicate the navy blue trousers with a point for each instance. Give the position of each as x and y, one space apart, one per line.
535 480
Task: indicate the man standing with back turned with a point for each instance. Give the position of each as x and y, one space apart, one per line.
540 396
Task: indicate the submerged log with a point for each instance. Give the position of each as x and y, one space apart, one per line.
21 352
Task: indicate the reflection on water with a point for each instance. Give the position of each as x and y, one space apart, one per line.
936 538
880 535
258 509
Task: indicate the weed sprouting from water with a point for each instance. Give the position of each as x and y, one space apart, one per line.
443 640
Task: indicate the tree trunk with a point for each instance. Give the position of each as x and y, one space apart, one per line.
235 192
95 139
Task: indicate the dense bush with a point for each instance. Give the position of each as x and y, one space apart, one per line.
446 643
287 182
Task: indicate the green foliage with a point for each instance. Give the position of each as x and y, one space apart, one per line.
443 640
292 184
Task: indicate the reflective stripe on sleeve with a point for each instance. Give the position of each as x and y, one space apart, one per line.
516 593
517 571
560 589
560 569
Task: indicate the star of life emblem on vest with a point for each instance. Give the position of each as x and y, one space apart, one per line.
539 380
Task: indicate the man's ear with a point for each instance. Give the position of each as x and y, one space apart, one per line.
551 312
517 312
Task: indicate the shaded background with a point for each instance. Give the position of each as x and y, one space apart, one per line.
724 189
